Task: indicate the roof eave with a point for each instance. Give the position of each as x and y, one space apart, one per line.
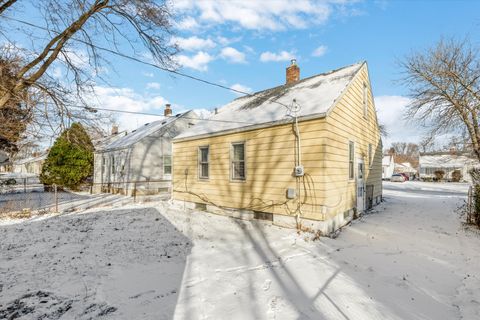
251 127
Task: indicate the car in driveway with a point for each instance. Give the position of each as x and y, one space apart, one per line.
405 176
397 178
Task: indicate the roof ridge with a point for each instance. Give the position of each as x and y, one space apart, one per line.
326 73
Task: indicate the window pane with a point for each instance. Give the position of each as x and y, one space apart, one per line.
238 152
167 160
239 170
204 170
204 154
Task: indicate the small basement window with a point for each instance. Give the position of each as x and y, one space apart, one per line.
238 161
167 165
203 162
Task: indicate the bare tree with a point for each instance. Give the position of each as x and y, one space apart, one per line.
444 83
78 36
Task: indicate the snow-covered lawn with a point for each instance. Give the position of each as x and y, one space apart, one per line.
411 258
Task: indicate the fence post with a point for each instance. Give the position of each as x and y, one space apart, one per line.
135 191
24 185
56 197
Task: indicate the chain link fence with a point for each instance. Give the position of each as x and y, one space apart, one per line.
24 196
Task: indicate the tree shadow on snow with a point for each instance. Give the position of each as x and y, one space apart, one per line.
115 264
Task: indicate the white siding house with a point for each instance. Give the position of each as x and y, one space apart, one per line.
448 163
141 159
31 165
388 165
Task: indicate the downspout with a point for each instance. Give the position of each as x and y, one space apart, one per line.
299 163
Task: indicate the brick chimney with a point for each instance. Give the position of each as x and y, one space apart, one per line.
293 72
114 129
168 110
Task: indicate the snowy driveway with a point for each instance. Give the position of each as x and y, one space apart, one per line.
411 258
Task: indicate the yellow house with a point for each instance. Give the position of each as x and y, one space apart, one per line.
304 154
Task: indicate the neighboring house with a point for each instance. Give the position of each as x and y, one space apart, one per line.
388 166
448 163
250 159
140 159
406 167
5 164
32 165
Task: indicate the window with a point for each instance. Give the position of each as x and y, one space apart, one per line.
112 163
167 164
370 155
238 161
365 100
351 153
203 158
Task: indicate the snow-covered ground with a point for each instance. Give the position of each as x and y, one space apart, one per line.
411 258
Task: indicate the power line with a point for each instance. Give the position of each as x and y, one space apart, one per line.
141 61
93 109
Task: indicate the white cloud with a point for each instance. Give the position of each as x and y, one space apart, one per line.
57 72
232 55
242 88
148 74
320 51
153 85
193 43
127 99
271 56
188 23
262 15
391 111
198 62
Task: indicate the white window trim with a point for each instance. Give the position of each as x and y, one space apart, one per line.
353 160
199 163
232 179
171 165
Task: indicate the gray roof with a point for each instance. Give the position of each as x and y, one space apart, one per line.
140 133
314 95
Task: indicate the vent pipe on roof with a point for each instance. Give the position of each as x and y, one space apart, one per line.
293 72
168 110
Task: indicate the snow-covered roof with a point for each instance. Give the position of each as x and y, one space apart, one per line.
140 133
386 160
314 95
40 157
445 161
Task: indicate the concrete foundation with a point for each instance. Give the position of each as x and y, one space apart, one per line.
325 227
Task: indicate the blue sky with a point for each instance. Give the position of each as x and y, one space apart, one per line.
248 44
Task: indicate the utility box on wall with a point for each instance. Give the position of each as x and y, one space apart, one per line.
291 193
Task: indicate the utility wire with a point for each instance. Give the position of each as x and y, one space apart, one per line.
92 109
141 61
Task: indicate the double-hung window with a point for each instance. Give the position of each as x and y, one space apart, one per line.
351 153
238 161
203 162
167 165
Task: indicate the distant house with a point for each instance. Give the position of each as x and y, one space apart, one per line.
140 158
407 168
251 159
30 166
448 163
388 165
5 164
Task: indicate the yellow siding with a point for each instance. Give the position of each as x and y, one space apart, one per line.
270 159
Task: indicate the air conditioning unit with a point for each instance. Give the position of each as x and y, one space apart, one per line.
299 171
